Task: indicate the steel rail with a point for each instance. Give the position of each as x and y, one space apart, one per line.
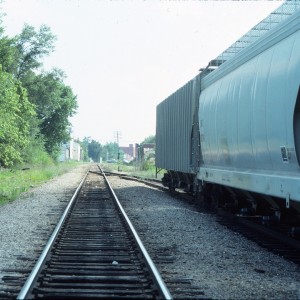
159 281
34 273
148 181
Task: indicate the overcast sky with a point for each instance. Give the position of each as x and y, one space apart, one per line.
122 58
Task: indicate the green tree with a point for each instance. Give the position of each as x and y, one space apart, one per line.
94 150
24 53
32 46
8 50
110 151
149 140
8 55
55 103
15 111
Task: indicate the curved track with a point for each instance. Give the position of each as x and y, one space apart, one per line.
94 252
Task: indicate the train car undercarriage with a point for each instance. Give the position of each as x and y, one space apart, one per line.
270 210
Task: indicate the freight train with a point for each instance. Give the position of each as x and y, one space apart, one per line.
232 135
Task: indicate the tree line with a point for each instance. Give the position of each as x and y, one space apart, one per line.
35 105
94 150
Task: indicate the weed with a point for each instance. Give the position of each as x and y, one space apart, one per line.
15 182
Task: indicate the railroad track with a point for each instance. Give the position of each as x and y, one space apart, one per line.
156 183
94 252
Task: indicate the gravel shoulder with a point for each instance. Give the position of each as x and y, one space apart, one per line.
27 223
223 263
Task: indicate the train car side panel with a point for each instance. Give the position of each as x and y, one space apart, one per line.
248 122
174 121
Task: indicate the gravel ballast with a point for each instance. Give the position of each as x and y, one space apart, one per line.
220 263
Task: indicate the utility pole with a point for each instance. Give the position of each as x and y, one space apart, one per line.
117 135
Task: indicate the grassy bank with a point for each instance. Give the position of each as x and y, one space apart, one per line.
15 182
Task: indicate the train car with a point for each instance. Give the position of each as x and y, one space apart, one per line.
174 135
248 123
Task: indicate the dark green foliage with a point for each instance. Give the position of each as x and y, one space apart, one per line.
8 55
94 150
23 53
32 46
149 140
55 103
15 111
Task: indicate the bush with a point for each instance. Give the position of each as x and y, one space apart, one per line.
35 153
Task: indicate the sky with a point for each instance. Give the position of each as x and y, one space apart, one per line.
122 58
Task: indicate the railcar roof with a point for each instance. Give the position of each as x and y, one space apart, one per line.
279 15
285 28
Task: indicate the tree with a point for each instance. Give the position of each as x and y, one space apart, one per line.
55 103
149 140
8 55
110 151
32 46
23 53
94 150
15 111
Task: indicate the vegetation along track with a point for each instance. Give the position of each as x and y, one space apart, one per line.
94 252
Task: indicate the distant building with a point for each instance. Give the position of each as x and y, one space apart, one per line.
138 151
70 151
148 147
144 150
129 152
